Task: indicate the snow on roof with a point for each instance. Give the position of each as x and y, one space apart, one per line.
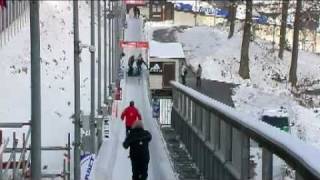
276 112
166 50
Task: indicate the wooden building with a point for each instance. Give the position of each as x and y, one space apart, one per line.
161 10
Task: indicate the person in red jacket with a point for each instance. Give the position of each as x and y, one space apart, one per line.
131 115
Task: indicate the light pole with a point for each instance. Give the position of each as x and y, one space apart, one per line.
110 45
99 58
76 91
105 50
35 91
92 110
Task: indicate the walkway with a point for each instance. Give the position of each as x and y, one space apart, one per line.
112 161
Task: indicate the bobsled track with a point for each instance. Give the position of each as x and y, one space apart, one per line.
112 160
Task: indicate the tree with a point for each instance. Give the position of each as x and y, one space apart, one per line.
232 17
283 30
295 45
244 70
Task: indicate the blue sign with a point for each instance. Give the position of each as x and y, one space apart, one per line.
86 163
156 108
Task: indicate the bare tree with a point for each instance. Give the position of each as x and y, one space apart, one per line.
295 45
232 17
244 70
283 30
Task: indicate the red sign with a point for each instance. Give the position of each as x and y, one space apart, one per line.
134 2
3 3
134 44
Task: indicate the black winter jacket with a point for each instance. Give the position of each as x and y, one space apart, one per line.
138 140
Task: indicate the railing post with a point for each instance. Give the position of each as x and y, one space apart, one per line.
14 157
245 156
207 126
69 157
226 140
193 119
267 162
1 155
24 151
298 176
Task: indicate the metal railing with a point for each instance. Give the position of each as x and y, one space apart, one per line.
12 18
19 168
218 139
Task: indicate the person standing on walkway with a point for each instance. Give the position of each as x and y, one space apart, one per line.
140 61
130 64
130 115
138 13
198 76
138 141
184 72
135 11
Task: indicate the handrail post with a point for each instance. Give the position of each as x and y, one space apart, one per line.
23 155
1 155
266 164
14 159
69 157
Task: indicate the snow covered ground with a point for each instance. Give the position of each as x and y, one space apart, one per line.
268 88
56 26
220 59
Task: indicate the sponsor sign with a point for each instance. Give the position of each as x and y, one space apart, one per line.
134 2
87 162
134 44
106 127
156 108
155 68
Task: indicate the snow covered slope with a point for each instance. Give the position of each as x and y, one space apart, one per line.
56 26
267 89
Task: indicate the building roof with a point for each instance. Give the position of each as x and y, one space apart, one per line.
166 50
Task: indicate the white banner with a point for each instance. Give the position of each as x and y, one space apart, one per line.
87 162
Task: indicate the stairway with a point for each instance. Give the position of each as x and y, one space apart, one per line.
182 162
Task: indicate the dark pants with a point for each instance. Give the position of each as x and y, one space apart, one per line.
183 77
139 169
198 81
130 72
128 129
139 70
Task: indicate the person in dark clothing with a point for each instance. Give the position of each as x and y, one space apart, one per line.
140 61
198 76
130 64
184 72
138 12
138 141
135 12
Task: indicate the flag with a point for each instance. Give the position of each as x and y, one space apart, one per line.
3 3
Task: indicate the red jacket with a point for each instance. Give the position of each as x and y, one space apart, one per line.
131 114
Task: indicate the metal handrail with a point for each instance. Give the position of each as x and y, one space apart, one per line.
12 19
275 141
